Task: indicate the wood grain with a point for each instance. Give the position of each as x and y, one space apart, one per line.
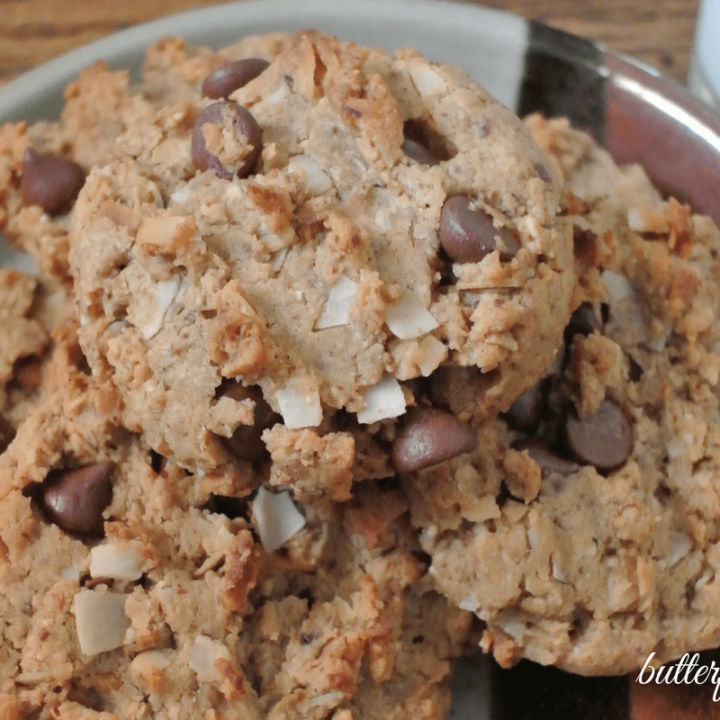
658 32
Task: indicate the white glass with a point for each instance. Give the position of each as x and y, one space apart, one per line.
704 74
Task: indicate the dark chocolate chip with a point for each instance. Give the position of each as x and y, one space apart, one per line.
246 442
7 434
546 458
244 125
429 436
418 152
50 181
584 321
603 439
224 81
75 499
550 428
526 412
469 235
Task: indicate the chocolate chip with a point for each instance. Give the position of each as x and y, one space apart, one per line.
526 412
7 434
546 458
584 321
75 499
246 442
221 83
429 436
418 152
550 428
244 124
50 181
469 235
603 439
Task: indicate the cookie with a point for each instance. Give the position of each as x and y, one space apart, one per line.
127 590
345 223
30 310
583 528
44 164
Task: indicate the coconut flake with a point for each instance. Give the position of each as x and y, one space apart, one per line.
203 656
408 318
557 572
117 561
433 352
277 97
636 220
426 80
277 518
510 621
680 546
336 310
299 405
277 260
100 620
165 292
382 400
470 604
117 327
626 308
70 573
618 286
149 664
180 196
317 181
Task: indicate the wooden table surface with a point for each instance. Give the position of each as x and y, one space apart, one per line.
658 32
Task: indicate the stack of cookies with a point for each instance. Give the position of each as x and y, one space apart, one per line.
333 369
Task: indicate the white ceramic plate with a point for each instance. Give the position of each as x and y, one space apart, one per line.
637 114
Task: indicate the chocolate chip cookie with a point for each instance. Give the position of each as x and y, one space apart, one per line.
583 528
320 230
130 590
32 310
43 165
